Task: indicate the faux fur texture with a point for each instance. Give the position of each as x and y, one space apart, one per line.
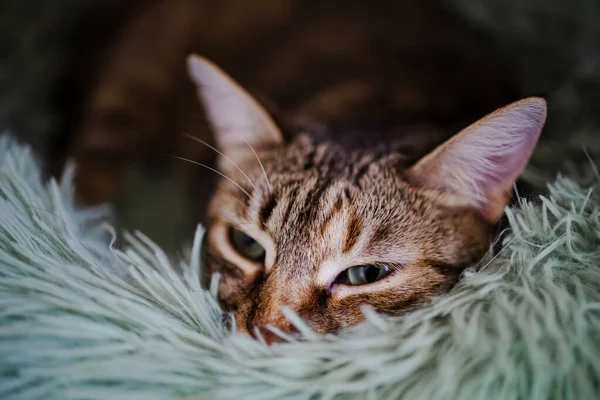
80 319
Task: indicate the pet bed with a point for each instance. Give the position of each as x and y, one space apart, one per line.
81 319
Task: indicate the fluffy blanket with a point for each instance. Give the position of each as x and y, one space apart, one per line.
81 319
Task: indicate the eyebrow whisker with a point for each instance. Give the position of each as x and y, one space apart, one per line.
216 171
223 155
261 165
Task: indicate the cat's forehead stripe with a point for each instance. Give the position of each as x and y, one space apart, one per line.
380 234
266 211
337 207
290 204
353 232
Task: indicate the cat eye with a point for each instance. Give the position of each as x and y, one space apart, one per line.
247 246
363 274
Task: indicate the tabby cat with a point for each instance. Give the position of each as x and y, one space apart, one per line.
342 193
324 222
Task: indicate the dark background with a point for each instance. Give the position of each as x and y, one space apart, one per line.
50 53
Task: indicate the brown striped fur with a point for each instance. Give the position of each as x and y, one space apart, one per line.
319 204
371 215
371 86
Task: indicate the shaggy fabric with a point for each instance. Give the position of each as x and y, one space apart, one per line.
80 319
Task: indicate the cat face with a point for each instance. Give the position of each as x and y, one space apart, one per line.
323 230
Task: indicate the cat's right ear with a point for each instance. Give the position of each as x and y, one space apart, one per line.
237 119
481 163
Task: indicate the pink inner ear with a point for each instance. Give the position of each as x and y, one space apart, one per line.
496 189
482 162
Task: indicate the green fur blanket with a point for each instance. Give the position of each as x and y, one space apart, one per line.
80 319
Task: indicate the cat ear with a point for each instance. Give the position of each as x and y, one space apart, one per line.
237 119
480 164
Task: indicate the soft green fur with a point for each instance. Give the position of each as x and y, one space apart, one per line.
81 321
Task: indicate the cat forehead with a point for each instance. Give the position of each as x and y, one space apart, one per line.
305 181
336 213
313 216
317 198
305 158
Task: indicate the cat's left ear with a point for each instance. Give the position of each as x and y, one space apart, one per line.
238 120
479 166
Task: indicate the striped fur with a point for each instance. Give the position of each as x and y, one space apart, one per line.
329 209
321 203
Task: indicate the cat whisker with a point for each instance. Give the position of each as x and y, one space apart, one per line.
216 171
261 165
223 155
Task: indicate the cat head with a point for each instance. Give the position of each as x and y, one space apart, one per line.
322 230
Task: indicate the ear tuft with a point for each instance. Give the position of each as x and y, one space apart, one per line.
236 118
482 162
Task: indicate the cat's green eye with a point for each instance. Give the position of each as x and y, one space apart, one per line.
363 274
247 246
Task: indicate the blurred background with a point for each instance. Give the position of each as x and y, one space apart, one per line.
104 82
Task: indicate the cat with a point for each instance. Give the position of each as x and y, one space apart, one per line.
353 95
322 222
